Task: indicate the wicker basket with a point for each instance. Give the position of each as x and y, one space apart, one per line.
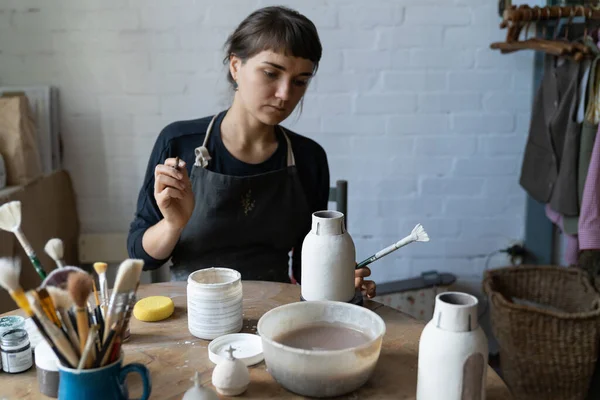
547 323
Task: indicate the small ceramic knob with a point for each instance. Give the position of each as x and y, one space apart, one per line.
197 392
231 377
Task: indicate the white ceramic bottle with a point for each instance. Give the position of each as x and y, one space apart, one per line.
453 351
328 259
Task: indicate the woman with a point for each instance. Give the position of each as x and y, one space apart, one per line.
236 189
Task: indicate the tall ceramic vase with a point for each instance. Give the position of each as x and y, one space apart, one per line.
328 259
453 351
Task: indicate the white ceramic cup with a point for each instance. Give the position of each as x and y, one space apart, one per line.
214 302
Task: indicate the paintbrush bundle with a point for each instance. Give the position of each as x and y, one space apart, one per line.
72 321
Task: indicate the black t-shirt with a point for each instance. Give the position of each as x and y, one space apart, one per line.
181 139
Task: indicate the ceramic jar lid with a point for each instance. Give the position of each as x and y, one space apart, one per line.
248 348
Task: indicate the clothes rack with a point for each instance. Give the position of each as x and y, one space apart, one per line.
524 13
542 238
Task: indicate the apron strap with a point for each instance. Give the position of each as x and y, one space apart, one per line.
203 156
291 161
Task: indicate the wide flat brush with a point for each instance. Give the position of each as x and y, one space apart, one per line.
127 280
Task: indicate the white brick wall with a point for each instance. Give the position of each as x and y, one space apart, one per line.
426 123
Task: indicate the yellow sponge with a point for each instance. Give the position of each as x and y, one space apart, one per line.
153 308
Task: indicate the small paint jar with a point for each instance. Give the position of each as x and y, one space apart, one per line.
16 351
214 302
46 365
10 322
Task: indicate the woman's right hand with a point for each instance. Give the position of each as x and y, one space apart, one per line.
173 193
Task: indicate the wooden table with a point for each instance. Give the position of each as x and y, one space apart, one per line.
173 355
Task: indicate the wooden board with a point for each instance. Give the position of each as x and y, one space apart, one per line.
173 355
49 211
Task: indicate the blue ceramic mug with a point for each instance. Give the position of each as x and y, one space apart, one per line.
101 383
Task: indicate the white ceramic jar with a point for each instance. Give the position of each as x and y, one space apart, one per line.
328 259
214 302
453 351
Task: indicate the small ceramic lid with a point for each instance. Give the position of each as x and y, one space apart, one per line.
248 348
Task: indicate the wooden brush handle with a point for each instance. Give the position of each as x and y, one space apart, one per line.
30 253
70 330
107 345
83 326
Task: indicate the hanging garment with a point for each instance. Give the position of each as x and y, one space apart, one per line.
589 220
247 223
549 168
588 136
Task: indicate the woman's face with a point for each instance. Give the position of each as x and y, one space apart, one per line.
270 84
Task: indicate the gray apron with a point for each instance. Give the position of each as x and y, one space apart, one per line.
247 223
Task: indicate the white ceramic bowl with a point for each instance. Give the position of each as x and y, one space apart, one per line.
214 302
320 373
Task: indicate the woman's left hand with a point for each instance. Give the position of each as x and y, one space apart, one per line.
365 286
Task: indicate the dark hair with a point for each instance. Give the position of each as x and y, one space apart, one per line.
275 28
